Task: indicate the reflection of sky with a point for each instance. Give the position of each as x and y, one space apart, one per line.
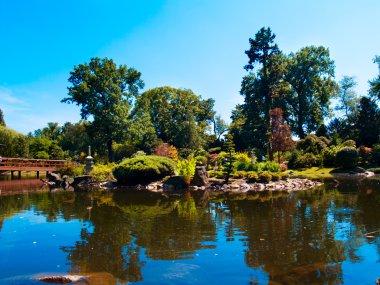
224 264
369 266
29 245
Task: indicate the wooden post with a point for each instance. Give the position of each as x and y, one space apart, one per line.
19 174
12 175
38 174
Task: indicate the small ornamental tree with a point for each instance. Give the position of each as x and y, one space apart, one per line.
166 150
281 135
229 148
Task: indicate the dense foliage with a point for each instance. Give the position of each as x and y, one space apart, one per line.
105 92
286 114
144 169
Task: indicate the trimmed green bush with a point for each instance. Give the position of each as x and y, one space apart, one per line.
284 175
265 176
276 176
252 177
347 157
144 169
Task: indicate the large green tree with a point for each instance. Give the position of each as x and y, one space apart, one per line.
15 144
310 73
74 138
105 93
348 99
178 116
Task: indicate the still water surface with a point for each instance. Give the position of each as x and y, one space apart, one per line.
324 236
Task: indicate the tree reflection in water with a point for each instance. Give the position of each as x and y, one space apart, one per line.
297 238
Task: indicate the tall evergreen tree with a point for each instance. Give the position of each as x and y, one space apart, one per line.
262 86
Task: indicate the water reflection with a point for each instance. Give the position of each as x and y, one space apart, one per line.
323 236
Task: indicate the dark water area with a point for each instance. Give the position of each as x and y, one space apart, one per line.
330 235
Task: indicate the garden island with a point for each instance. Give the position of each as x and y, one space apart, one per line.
170 185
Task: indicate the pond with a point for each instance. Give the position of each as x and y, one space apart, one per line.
323 236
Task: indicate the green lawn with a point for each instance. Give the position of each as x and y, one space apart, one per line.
314 172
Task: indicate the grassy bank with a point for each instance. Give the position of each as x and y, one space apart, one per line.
315 173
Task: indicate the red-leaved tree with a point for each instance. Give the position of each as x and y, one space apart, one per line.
281 135
167 150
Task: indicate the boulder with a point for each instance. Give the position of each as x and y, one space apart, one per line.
54 177
200 177
175 184
81 179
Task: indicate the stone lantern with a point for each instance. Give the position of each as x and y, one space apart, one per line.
89 161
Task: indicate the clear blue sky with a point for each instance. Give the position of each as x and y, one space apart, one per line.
196 44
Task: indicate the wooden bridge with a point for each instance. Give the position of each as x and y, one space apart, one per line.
24 164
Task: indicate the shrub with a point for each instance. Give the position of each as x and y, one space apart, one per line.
265 176
307 160
186 168
271 166
239 174
376 154
283 167
103 172
276 176
365 155
166 150
139 153
144 169
252 177
201 160
265 166
284 175
242 157
71 169
347 157
329 155
349 143
216 174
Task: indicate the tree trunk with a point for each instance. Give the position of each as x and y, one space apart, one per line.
111 154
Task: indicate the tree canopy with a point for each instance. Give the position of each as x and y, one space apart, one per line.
178 116
105 93
310 74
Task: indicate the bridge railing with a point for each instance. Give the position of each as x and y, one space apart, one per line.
25 163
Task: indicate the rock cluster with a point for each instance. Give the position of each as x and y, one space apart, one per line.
294 184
